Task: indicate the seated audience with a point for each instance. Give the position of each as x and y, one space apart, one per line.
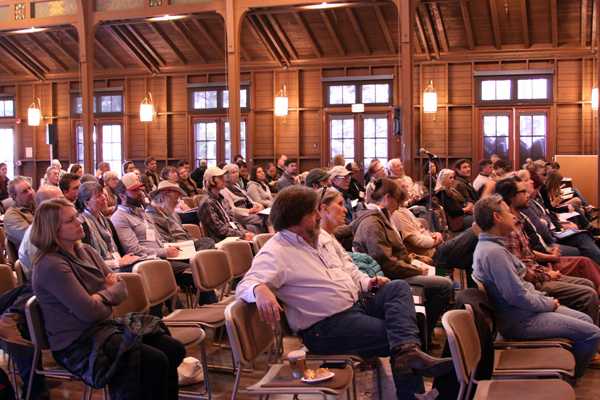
214 212
462 181
169 173
338 159
522 311
186 183
103 167
27 251
3 182
198 174
128 167
357 189
340 179
52 176
245 211
459 211
150 179
395 169
111 181
323 304
375 235
375 171
484 176
289 176
317 178
272 177
500 168
18 218
69 184
99 231
258 187
281 165
74 286
244 174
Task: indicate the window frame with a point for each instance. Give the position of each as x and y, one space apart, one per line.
514 89
358 89
99 145
12 98
220 120
219 89
14 152
98 103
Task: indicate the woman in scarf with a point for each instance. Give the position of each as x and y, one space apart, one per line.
459 212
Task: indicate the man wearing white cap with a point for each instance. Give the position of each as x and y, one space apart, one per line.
340 179
214 212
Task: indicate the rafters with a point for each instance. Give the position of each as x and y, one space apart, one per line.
332 32
429 28
116 36
207 37
439 25
71 35
58 45
109 53
360 35
184 33
165 38
269 39
145 45
261 39
313 41
284 37
18 58
421 36
137 47
27 54
554 21
495 24
384 28
594 22
466 17
584 22
48 53
525 23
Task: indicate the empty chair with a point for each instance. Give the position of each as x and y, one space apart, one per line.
260 240
250 337
193 230
464 344
211 270
239 256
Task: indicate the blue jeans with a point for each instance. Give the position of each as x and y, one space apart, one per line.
585 244
373 329
438 292
564 323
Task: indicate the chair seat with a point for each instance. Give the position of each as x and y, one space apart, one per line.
214 315
534 359
187 335
547 389
279 378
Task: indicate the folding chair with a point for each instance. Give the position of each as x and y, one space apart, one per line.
260 240
193 230
239 256
250 337
465 347
35 323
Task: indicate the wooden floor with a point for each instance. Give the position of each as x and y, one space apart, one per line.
587 388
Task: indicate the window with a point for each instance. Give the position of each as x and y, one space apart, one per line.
376 93
215 99
496 135
495 90
375 139
529 89
111 103
227 140
342 94
7 107
205 137
532 136
243 98
205 99
342 137
7 150
111 146
367 92
243 139
80 147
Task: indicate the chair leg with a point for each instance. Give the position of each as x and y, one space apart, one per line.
204 363
34 364
236 383
12 374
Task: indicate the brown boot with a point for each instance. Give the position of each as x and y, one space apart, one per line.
409 357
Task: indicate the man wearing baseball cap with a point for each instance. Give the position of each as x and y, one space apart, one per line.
317 178
214 212
340 179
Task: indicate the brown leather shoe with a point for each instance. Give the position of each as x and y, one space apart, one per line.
409 357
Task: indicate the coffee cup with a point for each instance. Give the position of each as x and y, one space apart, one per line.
297 359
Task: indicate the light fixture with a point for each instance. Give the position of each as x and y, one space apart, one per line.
281 103
34 113
147 109
594 98
430 103
323 6
33 29
358 108
166 17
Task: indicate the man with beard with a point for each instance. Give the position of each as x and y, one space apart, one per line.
324 296
289 176
462 168
150 179
18 218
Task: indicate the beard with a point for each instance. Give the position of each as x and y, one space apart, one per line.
134 202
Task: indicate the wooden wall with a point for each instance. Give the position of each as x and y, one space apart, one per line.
452 133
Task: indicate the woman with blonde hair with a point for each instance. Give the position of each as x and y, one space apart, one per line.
111 180
459 212
134 356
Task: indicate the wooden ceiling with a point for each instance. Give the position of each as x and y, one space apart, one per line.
293 36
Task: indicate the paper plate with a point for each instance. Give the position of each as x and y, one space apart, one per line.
322 378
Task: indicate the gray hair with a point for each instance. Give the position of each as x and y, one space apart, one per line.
108 175
88 190
47 192
12 189
485 209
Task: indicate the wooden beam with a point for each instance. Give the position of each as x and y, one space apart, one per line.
116 36
261 35
332 32
184 33
17 58
259 38
422 36
406 13
360 35
525 23
27 54
145 45
384 28
110 55
135 46
495 24
422 9
86 33
48 53
272 39
71 35
584 22
554 22
59 46
594 23
284 37
165 38
311 38
439 25
209 39
466 17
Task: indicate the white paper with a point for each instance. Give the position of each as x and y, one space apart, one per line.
564 217
567 190
226 240
354 203
421 264
186 248
266 211
150 234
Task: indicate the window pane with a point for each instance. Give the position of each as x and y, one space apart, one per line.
489 125
212 150
502 125
349 94
382 93
7 137
540 88
243 98
116 103
369 128
8 108
227 131
211 131
243 139
225 95
369 149
381 146
111 146
337 126
503 90
349 128
348 148
488 90
524 89
78 105
381 127
525 125
368 94
539 125
336 147
335 95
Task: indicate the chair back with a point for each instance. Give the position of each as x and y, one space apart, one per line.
210 269
260 240
7 279
21 278
249 337
2 246
12 253
136 300
480 285
463 340
35 324
193 230
158 279
239 256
